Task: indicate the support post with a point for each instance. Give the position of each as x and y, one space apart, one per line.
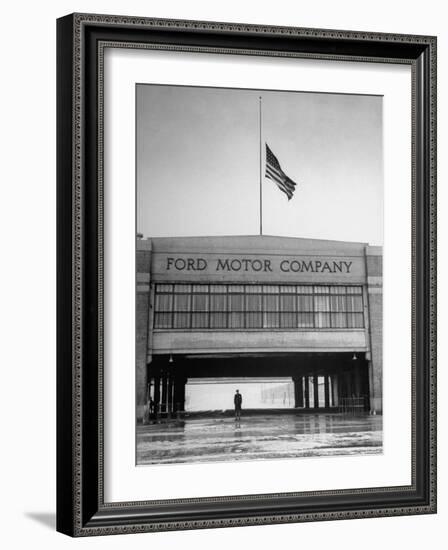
164 393
156 395
327 392
169 394
298 391
316 391
307 392
335 391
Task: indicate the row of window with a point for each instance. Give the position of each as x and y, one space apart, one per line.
162 288
179 306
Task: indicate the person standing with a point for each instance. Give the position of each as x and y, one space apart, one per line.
238 400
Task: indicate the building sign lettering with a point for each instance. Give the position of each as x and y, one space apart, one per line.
229 265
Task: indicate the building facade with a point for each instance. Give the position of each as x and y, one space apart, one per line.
259 306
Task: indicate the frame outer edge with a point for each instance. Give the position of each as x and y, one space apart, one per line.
70 515
65 371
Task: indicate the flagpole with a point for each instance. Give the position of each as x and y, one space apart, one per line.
261 169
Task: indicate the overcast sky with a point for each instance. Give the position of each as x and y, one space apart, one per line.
198 163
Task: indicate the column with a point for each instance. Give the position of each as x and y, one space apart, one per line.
327 392
357 381
307 392
335 391
156 394
183 383
164 393
316 391
176 389
298 392
169 398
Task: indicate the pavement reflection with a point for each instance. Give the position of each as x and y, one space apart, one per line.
223 439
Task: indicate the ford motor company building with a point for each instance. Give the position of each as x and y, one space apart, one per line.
259 306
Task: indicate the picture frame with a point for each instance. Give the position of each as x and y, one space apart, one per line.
81 506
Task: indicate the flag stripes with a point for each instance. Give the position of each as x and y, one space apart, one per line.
276 174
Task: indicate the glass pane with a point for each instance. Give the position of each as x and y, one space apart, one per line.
305 289
270 289
288 289
218 289
322 320
164 302
321 289
200 302
163 320
354 303
288 320
181 320
339 320
182 288
200 288
305 303
270 303
254 303
164 288
355 320
305 320
218 302
253 289
354 290
337 289
338 303
288 303
236 320
218 320
254 320
236 288
236 302
322 303
271 320
181 302
199 320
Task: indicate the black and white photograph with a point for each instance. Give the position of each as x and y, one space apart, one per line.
258 274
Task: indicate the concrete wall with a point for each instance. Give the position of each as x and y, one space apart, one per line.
153 265
374 269
241 341
143 265
260 259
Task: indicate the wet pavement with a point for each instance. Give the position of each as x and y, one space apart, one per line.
222 439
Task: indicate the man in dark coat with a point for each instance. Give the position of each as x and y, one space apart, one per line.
238 400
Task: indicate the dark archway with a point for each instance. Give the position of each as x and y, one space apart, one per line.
342 378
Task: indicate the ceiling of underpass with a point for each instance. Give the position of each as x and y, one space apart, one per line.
286 365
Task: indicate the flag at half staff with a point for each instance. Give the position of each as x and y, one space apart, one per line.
276 174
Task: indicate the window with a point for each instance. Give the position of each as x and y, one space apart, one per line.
221 306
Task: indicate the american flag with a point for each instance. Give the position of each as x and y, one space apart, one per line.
276 174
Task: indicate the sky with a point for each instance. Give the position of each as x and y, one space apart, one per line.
198 163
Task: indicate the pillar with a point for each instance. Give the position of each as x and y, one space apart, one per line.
142 308
176 390
357 381
169 397
335 391
327 392
156 394
374 325
298 392
307 392
164 393
183 383
316 391
179 393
